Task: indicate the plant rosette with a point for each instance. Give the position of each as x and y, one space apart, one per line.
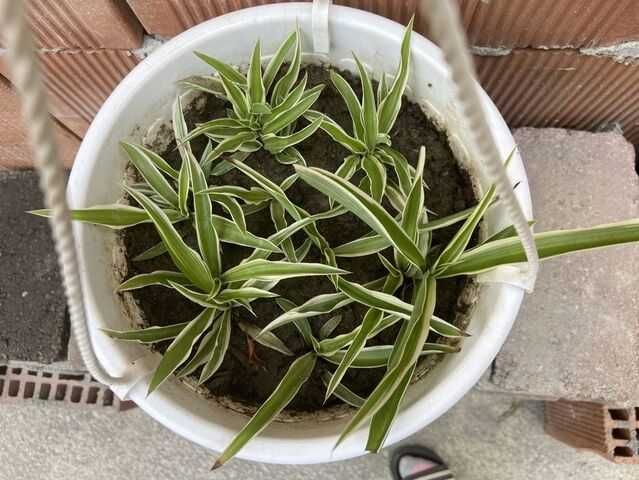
200 201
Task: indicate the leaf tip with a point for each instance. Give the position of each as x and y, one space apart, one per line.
216 465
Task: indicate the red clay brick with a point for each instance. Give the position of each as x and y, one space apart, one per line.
608 430
84 24
15 152
563 88
79 81
507 23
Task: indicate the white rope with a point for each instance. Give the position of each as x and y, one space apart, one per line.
319 19
447 30
27 81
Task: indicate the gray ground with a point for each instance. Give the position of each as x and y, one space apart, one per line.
485 437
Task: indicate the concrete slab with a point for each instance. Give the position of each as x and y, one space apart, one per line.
33 325
485 437
577 336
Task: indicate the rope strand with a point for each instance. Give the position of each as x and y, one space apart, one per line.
27 81
447 30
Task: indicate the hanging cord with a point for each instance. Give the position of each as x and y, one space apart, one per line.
446 28
27 81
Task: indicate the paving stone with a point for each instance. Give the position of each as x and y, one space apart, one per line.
14 147
484 437
577 336
33 325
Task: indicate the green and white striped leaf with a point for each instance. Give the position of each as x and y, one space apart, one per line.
207 237
272 188
351 101
376 174
147 335
290 115
232 207
115 216
290 156
180 349
180 130
204 83
218 127
330 346
151 252
244 293
185 258
460 241
382 88
362 247
229 232
302 324
279 221
383 420
418 332
370 322
231 144
414 207
329 326
379 355
291 99
298 373
400 165
204 349
222 339
344 393
252 196
318 305
277 60
365 207
277 270
255 84
336 132
159 277
205 300
390 106
285 83
144 157
276 144
348 167
268 339
549 244
223 69
369 112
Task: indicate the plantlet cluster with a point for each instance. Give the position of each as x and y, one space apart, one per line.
271 110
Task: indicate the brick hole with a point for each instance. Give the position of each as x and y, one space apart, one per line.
623 452
1 386
76 394
29 388
92 396
619 414
47 374
33 373
45 389
14 386
637 415
3 369
69 376
107 401
60 392
621 433
17 371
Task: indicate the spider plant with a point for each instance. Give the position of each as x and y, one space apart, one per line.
372 119
401 241
265 106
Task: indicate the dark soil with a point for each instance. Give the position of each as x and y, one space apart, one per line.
251 380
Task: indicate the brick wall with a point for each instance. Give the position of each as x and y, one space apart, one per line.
544 62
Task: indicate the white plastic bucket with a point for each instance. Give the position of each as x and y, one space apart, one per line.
146 94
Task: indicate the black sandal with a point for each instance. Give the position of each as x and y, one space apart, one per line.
412 462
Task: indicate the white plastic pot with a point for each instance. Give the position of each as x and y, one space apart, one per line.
146 94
